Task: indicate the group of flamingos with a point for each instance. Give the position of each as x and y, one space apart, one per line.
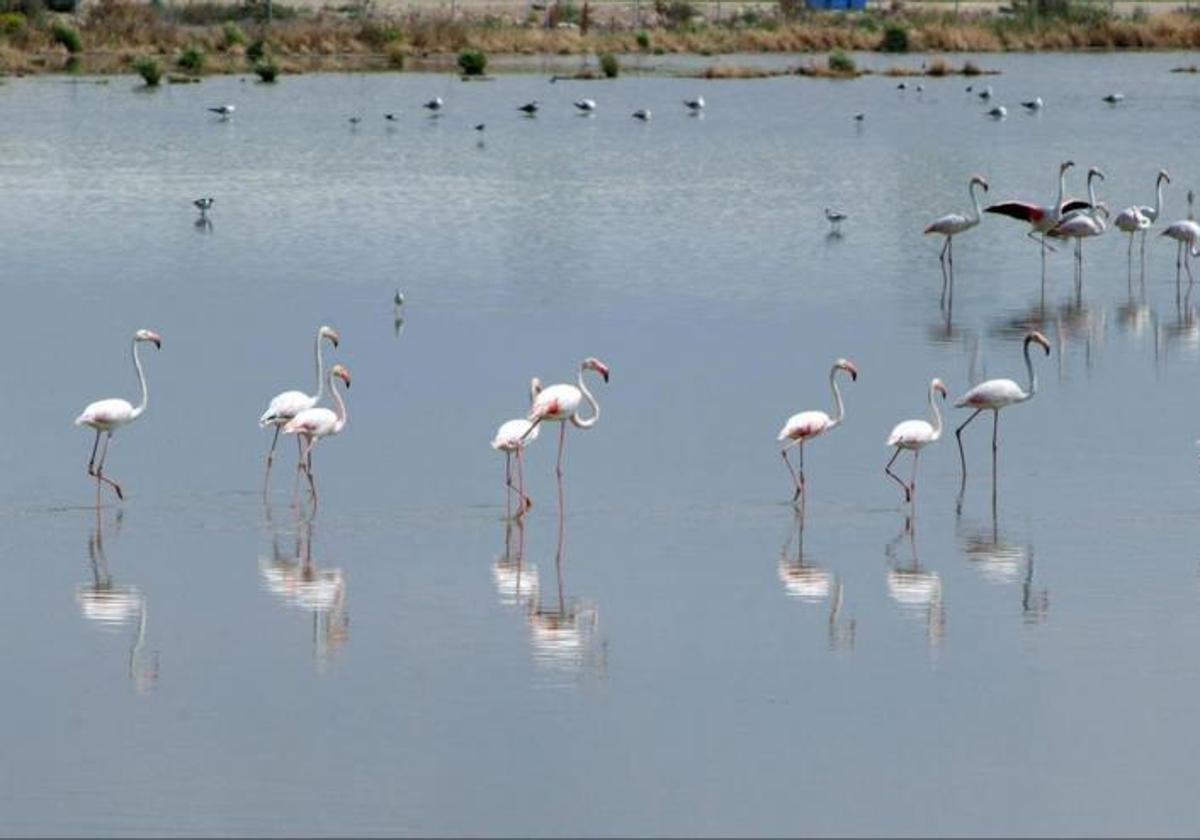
300 414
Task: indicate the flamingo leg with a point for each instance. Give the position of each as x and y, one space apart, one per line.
896 478
558 471
962 457
270 460
795 478
526 502
995 442
508 485
306 458
912 486
100 468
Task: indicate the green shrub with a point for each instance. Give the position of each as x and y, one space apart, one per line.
149 69
67 35
191 60
895 39
472 62
643 40
267 70
234 36
256 50
11 23
839 62
396 58
609 66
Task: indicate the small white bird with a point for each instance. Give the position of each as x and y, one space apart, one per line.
434 104
391 117
1114 98
920 88
998 113
915 435
225 111
1035 104
585 105
642 114
835 218
203 205
695 105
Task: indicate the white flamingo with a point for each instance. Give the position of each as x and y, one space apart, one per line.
511 438
1080 226
1139 217
953 224
109 415
995 394
313 424
807 425
1186 234
915 435
283 407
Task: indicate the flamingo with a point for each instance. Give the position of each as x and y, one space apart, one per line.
1130 220
109 415
953 224
511 440
810 424
1187 234
313 424
995 394
1040 218
1079 226
915 435
283 407
560 403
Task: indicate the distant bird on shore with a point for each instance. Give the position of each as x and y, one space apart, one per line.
434 104
586 106
530 108
695 105
999 112
391 117
355 120
203 205
902 86
642 114
1114 98
970 88
835 219
986 93
860 116
397 312
1035 104
920 88
480 126
224 111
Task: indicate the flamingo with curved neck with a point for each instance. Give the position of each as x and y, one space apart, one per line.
952 224
915 435
806 425
313 424
109 415
1040 219
511 440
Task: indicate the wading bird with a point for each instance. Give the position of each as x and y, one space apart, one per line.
915 435
203 205
511 438
807 425
223 111
313 424
283 407
1139 217
1035 104
953 224
995 394
1114 98
1079 226
695 105
106 416
530 108
642 114
1040 218
835 219
999 112
434 104
585 106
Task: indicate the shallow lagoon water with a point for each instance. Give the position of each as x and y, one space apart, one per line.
1027 671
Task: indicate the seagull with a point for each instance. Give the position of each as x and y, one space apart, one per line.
902 86
970 88
695 105
860 116
642 114
391 117
585 105
225 111
354 121
203 205
835 217
434 104
920 88
530 108
999 112
986 93
480 126
1114 98
1033 104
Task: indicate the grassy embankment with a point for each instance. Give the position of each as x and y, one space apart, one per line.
192 40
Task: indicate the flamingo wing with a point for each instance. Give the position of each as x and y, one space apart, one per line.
806 424
556 403
285 406
995 393
1074 205
911 433
105 414
1017 210
512 435
312 422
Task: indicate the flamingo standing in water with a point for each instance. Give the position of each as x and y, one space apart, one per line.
995 394
1041 219
511 440
806 425
1186 233
109 415
313 424
915 435
1130 220
953 224
559 404
283 407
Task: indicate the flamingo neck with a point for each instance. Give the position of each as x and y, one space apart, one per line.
340 410
320 371
1092 191
1032 372
839 408
137 364
1158 189
578 421
937 415
974 202
1062 190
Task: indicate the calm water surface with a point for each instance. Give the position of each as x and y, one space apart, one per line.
195 661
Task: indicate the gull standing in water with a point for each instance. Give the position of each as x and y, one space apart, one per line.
695 106
835 219
203 205
223 111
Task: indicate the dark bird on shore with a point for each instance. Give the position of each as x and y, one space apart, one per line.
642 114
695 105
434 104
1114 98
354 121
480 126
860 116
390 117
203 205
225 111
1033 104
530 108
585 105
902 86
970 88
986 93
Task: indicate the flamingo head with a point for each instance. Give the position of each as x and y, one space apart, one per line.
1163 176
1094 172
341 373
1065 165
1036 337
1102 207
848 366
148 335
592 363
331 334
535 388
939 386
981 181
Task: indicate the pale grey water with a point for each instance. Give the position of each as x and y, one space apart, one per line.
1044 682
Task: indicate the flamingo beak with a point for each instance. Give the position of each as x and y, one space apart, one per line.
157 339
852 370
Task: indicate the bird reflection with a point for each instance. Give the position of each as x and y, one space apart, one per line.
564 631
1134 316
1074 323
812 584
1002 562
917 591
294 578
516 582
1183 332
203 225
113 606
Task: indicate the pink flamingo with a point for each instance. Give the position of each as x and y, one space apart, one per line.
1138 218
810 424
511 440
560 403
109 415
915 435
995 394
283 407
312 424
1041 218
953 224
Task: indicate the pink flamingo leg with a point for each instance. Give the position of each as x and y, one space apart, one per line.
508 485
896 478
270 460
100 476
797 480
526 502
562 440
912 487
962 457
306 459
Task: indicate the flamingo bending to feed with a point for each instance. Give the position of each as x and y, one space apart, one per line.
283 407
511 440
1040 218
560 403
953 224
1130 220
995 394
109 415
312 424
806 425
1080 226
915 435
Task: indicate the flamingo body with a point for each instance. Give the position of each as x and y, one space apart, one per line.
995 393
913 434
314 423
805 426
1132 220
283 407
557 403
106 415
514 435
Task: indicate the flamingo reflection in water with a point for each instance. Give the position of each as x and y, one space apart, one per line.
297 581
516 581
917 591
813 584
112 606
1003 563
564 632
